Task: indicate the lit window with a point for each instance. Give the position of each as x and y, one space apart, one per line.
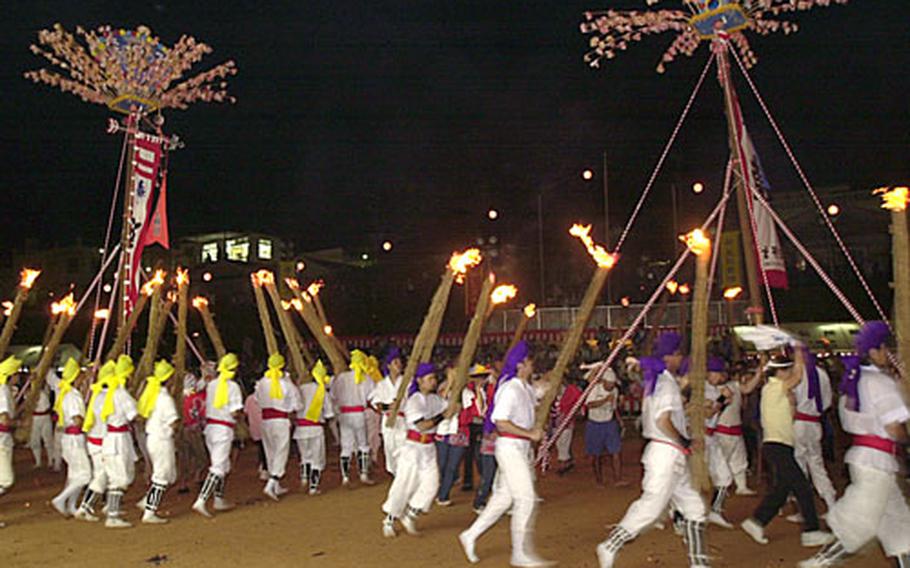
265 249
237 250
210 252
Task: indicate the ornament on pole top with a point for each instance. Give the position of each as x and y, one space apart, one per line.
530 310
893 198
459 263
129 71
600 255
696 21
503 293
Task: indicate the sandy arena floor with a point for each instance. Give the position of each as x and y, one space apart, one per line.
341 527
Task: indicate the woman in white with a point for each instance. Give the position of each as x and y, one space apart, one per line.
417 480
70 409
512 415
156 406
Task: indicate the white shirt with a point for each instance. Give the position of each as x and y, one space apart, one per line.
99 428
665 398
449 426
514 401
806 405
73 406
712 393
421 407
604 412
290 402
44 400
732 414
234 402
6 407
119 443
385 391
307 392
346 392
880 404
160 423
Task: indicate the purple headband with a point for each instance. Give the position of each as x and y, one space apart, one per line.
815 388
394 353
872 336
717 365
651 367
667 344
423 370
509 369
849 384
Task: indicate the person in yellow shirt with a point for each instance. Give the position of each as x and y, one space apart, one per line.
784 372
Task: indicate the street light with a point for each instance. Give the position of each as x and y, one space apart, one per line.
207 277
493 214
587 175
698 187
833 210
387 246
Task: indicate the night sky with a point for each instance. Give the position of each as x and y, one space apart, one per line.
360 121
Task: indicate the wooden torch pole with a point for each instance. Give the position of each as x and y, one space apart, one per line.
700 245
27 280
208 321
471 339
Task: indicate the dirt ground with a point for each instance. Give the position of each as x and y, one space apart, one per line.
341 527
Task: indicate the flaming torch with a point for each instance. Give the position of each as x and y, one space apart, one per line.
295 304
64 310
259 280
301 372
208 320
14 310
895 200
422 350
158 316
528 313
485 302
314 290
149 290
605 261
304 306
182 280
700 245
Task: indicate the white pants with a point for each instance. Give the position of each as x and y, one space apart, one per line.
276 441
57 447
733 451
78 465
417 481
872 507
99 475
7 474
312 447
808 454
218 440
666 481
564 445
42 433
392 441
513 489
718 468
353 433
372 419
163 457
120 469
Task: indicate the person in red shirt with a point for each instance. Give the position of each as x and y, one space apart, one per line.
193 457
569 394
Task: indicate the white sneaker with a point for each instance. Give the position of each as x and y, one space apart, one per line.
717 519
755 530
816 562
116 523
270 492
605 556
365 479
222 504
60 507
445 503
151 518
467 545
795 518
410 525
531 561
314 491
199 507
388 529
745 491
82 515
811 539
279 490
346 481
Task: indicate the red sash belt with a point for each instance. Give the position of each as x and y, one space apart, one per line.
94 441
72 430
710 430
351 409
305 422
272 414
808 418
514 436
416 436
677 446
118 429
45 413
876 443
219 422
5 428
729 430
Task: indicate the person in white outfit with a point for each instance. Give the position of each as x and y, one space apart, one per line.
315 409
157 407
382 398
117 452
350 391
512 414
95 430
42 431
223 407
417 479
813 399
278 398
55 452
873 411
70 410
7 413
667 478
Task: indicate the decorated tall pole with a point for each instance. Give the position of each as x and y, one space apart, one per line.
26 282
895 200
208 321
422 350
605 262
700 246
471 339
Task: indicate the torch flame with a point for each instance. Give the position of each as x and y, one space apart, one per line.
893 199
183 276
460 263
149 287
327 329
292 283
503 293
697 242
597 252
733 293
200 302
7 308
530 310
315 287
65 306
29 275
297 304
102 314
684 289
285 305
672 287
263 277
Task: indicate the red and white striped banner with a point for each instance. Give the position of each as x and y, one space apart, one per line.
146 161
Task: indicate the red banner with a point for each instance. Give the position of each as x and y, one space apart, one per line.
156 231
146 159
